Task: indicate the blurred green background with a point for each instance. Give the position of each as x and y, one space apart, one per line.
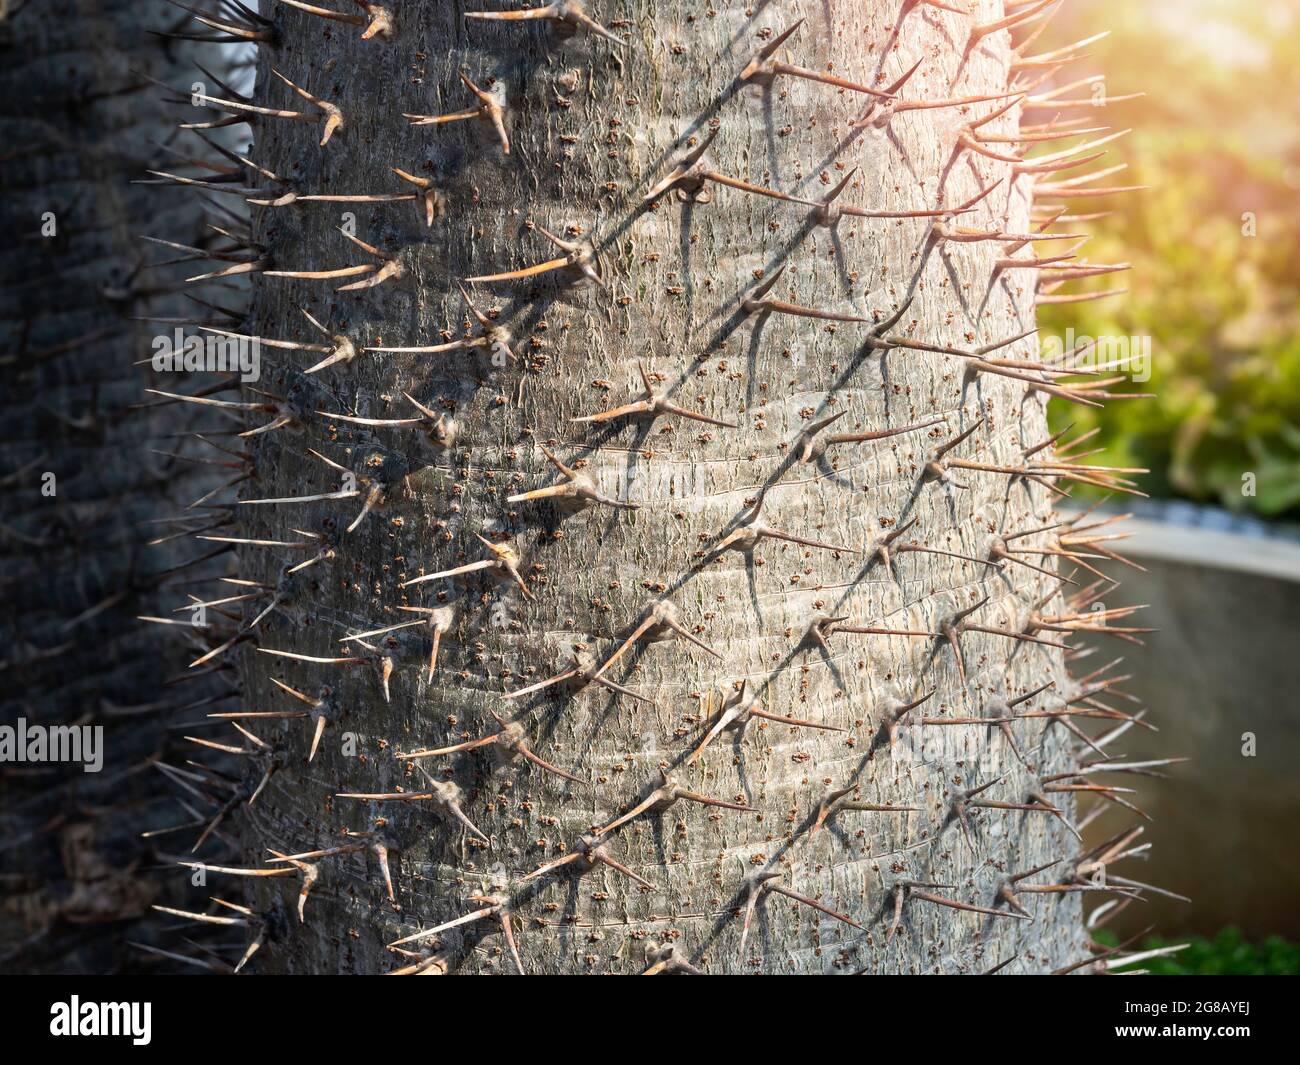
1218 138
1227 954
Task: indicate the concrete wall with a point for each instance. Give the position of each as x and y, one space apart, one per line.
1225 662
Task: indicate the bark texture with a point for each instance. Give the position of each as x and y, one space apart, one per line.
592 128
79 122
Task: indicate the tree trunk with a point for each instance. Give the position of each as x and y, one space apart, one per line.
80 482
593 126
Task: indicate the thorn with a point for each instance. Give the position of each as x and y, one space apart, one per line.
654 405
819 631
509 741
576 490
203 918
1070 157
892 719
937 468
906 890
376 275
869 630
760 884
1052 99
883 551
754 302
429 198
440 621
504 567
571 14
667 793
589 853
666 961
768 50
762 69
579 256
879 113
491 110
228 870
660 623
739 708
836 800
1100 958
445 795
880 551
1007 889
811 449
495 338
247 25
829 213
688 176
691 176
326 112
378 21
376 844
749 531
310 874
980 31
999 551
1067 54
581 672
496 906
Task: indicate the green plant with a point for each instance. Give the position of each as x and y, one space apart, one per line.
1216 279
1227 954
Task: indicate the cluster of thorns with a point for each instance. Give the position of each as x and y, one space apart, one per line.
375 474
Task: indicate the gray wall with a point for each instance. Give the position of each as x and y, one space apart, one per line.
1224 663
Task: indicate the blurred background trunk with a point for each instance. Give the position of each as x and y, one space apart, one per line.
84 477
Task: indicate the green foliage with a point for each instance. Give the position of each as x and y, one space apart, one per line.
1228 954
1221 307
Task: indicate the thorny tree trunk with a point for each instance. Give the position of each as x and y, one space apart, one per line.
592 128
79 122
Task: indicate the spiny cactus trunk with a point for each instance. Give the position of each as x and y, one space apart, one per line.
82 490
657 526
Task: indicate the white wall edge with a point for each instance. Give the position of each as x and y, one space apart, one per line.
1212 548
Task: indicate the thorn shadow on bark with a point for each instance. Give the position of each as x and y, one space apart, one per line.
688 276
742 772
657 832
829 659
751 356
997 279
841 262
633 658
730 321
901 152
757 10
828 160
956 287
769 130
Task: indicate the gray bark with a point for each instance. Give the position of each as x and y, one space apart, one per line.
79 122
592 128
